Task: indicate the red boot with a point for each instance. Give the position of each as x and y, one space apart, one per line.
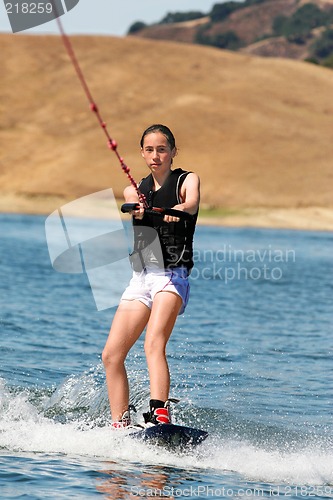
159 412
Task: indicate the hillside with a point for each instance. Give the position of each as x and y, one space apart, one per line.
270 28
258 131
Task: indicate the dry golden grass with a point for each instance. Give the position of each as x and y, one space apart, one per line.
259 132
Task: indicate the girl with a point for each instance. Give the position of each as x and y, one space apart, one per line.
159 289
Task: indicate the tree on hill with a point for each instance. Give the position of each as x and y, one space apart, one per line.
322 49
136 27
221 11
226 40
180 17
253 2
298 27
171 17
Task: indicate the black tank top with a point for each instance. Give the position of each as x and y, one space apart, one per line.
176 238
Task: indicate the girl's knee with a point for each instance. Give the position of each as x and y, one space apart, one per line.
154 348
111 357
106 356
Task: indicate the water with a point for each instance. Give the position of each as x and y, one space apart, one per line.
251 361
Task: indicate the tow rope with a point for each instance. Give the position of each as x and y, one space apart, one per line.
111 143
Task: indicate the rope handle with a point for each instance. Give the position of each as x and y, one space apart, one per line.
129 207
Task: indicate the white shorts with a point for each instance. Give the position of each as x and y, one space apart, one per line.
146 284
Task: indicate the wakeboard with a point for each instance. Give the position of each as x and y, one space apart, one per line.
171 436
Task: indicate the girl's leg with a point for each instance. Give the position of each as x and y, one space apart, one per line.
163 316
128 323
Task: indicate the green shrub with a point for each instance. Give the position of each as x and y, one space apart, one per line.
201 37
221 11
322 48
135 27
253 2
180 17
227 40
299 26
280 24
312 60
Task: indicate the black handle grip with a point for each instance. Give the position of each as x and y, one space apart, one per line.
128 207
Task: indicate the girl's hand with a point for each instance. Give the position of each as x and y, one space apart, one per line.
172 218
138 214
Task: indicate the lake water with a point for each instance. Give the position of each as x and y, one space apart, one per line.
251 362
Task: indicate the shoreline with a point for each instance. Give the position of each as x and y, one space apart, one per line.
301 218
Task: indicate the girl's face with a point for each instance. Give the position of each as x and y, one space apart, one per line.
157 152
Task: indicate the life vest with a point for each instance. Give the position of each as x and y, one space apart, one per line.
176 238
